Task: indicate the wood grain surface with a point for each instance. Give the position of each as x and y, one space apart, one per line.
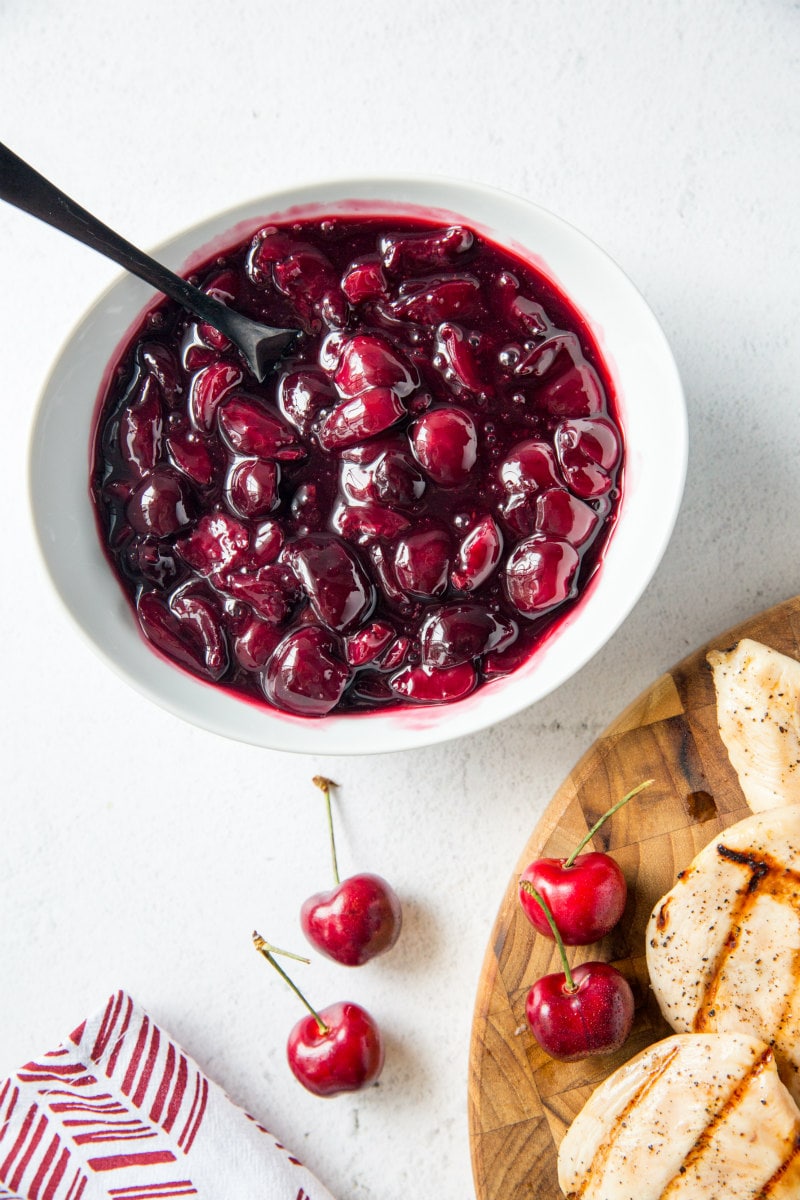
521 1101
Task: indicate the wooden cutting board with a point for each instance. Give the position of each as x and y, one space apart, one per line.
521 1102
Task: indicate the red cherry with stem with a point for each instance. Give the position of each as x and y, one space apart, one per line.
359 918
338 1049
586 892
574 1014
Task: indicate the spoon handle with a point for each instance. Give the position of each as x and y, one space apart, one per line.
26 189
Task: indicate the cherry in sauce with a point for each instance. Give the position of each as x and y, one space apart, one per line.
403 511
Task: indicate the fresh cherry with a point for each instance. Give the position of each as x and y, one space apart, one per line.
573 1014
336 1049
359 918
585 892
342 1054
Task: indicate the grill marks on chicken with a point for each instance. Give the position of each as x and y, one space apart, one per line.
606 1151
704 1147
787 1175
758 715
723 947
692 1116
767 877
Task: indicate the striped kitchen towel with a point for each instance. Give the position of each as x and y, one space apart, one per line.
120 1112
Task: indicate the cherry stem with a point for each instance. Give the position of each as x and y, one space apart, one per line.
262 944
325 786
264 947
528 887
615 808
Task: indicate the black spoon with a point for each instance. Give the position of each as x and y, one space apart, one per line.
25 188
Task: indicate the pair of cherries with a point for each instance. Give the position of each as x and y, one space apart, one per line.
576 901
339 1048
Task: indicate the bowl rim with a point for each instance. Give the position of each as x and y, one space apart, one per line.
409 726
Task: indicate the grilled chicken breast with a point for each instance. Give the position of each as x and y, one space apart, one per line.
758 714
694 1117
723 947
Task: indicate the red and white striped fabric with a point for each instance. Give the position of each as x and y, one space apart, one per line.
120 1112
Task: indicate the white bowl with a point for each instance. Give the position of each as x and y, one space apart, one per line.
651 407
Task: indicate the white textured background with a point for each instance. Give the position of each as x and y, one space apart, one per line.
138 852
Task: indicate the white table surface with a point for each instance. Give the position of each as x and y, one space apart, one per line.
137 851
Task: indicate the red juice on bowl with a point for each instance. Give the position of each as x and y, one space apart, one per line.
408 504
